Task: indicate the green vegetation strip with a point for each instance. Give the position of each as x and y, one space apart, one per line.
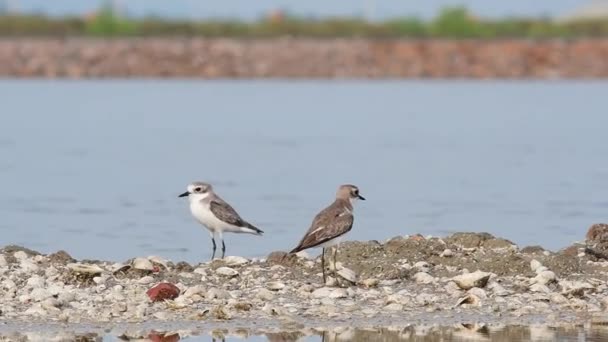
450 23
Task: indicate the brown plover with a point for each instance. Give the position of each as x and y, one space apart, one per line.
215 214
331 224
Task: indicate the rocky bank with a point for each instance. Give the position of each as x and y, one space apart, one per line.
302 58
465 277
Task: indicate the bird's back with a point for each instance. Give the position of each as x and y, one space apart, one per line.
331 222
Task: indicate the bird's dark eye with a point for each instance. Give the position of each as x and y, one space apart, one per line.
197 189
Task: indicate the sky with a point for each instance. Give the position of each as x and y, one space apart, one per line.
252 9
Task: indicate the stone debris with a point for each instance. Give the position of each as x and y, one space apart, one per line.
469 280
404 277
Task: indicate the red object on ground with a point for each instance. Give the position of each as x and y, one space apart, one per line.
163 291
161 337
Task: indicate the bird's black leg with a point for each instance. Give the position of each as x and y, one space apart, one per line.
214 248
323 265
223 249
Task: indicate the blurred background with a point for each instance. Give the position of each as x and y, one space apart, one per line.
449 115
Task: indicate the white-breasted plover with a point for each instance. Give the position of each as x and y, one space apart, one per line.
331 224
215 214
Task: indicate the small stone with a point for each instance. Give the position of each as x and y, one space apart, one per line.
331 281
227 272
423 278
348 274
370 282
575 288
100 280
35 281
540 288
163 291
142 264
447 253
275 286
470 280
50 304
183 266
265 294
303 255
397 298
498 290
28 266
61 257
146 280
544 278
235 261
35 310
215 293
338 293
195 290
534 265
323 292
162 315
40 294
470 300
394 307
158 261
85 268
20 255
422 266
200 270
480 293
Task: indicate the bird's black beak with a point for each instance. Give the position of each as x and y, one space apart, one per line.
184 194
361 197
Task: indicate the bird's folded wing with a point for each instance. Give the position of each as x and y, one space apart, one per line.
327 227
226 213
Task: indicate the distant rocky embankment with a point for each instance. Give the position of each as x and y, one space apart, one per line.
302 58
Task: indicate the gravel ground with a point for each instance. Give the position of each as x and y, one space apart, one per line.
465 277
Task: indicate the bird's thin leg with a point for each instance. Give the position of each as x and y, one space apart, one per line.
335 258
221 236
214 247
323 265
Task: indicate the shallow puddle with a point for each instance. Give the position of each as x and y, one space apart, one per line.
458 332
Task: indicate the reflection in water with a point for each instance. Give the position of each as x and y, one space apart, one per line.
432 333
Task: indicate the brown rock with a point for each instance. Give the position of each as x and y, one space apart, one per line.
532 250
497 243
597 233
183 266
163 291
282 258
163 337
61 257
469 240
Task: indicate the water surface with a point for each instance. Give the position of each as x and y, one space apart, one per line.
431 333
95 167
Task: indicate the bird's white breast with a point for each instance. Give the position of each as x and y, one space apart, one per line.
204 216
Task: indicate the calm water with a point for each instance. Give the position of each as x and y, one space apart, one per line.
431 333
95 167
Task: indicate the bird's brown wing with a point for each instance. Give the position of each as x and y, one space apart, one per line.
332 222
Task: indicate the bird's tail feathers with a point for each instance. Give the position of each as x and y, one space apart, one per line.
251 229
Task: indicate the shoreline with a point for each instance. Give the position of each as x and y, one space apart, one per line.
303 58
461 278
